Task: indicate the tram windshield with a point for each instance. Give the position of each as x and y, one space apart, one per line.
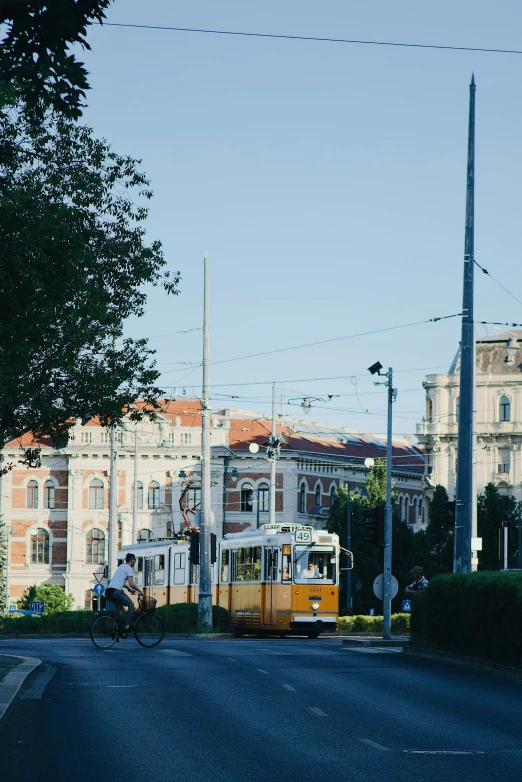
313 565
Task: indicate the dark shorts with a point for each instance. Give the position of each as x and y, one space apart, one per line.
118 597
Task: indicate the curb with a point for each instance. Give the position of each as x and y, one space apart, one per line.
460 659
399 642
13 681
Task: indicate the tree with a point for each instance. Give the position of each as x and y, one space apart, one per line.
35 51
492 510
368 559
437 539
52 595
73 261
3 564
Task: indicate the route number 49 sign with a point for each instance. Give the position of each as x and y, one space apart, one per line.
303 536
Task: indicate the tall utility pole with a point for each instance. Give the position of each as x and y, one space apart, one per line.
135 489
464 496
113 504
205 567
348 547
273 458
387 591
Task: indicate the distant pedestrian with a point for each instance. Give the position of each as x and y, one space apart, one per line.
419 583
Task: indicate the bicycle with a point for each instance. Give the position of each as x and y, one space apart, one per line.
147 626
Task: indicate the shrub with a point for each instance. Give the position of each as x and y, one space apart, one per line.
373 624
52 595
183 618
60 622
475 614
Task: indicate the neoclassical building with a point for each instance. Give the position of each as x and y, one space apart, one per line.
498 418
57 516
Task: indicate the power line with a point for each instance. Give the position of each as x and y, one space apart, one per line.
336 339
485 271
316 38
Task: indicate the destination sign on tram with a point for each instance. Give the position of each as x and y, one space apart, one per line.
303 536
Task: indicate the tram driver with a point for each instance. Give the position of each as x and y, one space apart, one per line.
311 571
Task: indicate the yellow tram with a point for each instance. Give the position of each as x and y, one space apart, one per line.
280 579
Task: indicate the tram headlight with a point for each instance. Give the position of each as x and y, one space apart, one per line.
315 606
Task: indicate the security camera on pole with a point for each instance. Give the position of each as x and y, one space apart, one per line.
375 369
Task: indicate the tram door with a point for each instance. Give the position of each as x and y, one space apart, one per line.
148 574
271 573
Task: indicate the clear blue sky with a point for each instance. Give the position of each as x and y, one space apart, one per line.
326 181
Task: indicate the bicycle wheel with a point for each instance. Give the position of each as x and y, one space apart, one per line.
104 631
149 630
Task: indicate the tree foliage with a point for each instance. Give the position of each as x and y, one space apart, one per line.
73 262
492 509
435 543
52 595
35 51
368 559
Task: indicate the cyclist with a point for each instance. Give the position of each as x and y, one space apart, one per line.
122 579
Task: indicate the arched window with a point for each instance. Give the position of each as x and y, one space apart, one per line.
40 547
139 493
504 409
154 495
32 494
332 495
421 510
401 508
263 495
302 498
457 406
95 549
318 494
406 510
247 498
415 507
49 495
96 494
429 409
144 535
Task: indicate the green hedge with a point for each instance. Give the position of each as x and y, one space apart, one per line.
475 614
183 618
60 622
373 624
179 618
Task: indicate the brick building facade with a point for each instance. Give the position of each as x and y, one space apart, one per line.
57 516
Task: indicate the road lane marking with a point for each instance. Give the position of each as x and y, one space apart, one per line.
233 660
375 745
317 711
177 652
262 671
289 687
444 751
374 650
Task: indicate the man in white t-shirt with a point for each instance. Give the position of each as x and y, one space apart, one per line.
123 579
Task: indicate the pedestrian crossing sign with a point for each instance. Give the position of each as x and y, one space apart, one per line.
406 606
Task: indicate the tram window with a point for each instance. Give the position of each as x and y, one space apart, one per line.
179 568
224 564
313 566
248 564
138 570
286 564
159 569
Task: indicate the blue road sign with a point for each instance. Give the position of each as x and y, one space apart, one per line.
99 589
406 606
37 606
13 607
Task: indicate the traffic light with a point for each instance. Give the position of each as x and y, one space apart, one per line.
194 548
373 524
448 515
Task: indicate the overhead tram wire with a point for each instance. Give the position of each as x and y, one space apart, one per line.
485 271
315 38
336 339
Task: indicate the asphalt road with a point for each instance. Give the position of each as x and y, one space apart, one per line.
253 710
